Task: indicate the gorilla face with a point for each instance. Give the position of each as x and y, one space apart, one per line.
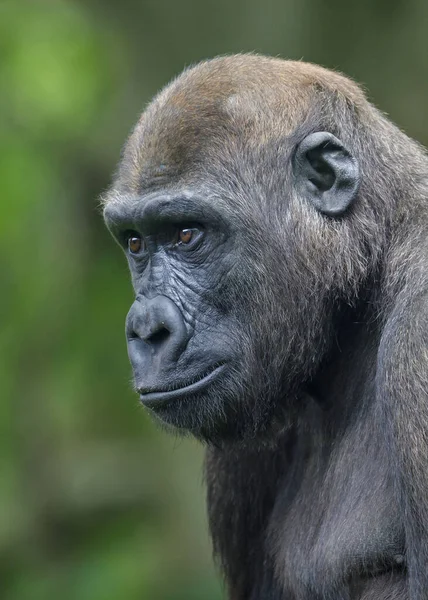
200 361
227 322
236 261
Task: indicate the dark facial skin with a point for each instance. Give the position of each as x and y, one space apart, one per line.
178 328
275 226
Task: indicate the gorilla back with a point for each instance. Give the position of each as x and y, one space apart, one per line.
275 225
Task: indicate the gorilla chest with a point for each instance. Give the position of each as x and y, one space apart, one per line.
335 523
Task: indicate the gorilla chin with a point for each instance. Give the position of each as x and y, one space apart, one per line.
195 408
214 410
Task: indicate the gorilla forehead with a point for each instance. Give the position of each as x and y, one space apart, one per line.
219 107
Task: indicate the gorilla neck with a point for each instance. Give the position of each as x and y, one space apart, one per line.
344 383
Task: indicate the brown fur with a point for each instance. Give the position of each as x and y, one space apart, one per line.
255 98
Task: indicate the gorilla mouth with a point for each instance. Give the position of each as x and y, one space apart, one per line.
152 397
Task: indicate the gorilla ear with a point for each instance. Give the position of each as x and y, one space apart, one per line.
327 175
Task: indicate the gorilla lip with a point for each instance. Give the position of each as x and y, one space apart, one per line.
151 398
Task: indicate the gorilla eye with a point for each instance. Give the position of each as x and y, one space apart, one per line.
185 236
135 243
188 236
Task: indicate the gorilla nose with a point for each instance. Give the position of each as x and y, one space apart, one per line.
156 334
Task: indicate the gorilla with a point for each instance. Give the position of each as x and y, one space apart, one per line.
276 229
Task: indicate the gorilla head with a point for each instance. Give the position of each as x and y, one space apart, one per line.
241 205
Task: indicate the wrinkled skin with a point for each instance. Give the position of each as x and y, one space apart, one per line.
275 227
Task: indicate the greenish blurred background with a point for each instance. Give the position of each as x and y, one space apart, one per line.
95 503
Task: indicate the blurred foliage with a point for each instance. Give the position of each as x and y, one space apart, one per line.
95 503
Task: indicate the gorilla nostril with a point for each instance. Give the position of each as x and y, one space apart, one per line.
133 335
158 337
